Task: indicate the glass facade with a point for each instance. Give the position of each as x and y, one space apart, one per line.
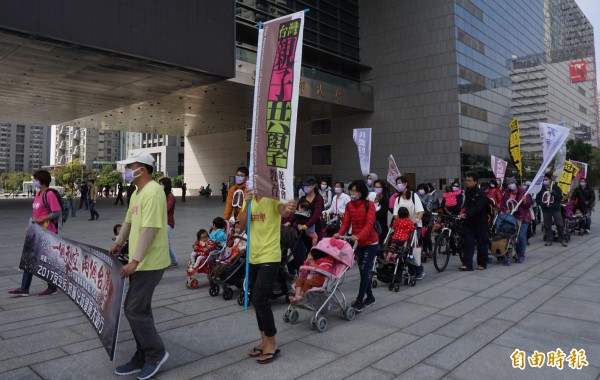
514 61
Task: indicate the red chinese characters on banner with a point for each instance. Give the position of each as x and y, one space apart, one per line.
578 71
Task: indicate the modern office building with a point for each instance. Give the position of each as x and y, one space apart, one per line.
92 147
168 151
438 81
23 148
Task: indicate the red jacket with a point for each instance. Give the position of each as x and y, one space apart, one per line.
362 223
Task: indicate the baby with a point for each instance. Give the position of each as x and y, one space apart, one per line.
235 247
202 248
318 259
218 234
450 201
302 216
403 229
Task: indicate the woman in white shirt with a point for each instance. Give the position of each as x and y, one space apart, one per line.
339 200
410 200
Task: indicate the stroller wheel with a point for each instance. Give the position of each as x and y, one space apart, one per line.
240 299
397 288
350 313
286 315
413 282
322 324
391 286
313 323
214 290
227 294
192 283
293 317
374 284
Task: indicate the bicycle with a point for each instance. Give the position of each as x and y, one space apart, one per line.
448 242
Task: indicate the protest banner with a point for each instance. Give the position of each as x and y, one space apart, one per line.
499 169
583 168
88 275
276 92
514 146
393 171
568 175
362 139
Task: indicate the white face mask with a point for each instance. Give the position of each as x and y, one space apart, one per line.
512 187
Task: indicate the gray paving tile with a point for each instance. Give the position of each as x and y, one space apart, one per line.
440 297
405 314
412 354
582 292
467 283
370 373
424 372
427 325
463 307
24 373
507 286
31 359
527 304
15 347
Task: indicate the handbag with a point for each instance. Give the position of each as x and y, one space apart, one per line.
414 258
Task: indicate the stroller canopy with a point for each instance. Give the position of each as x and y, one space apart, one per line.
506 224
338 249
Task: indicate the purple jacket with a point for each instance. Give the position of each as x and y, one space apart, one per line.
523 210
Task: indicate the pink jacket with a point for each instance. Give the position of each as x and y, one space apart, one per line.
450 198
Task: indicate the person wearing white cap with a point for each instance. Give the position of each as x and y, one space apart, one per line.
145 227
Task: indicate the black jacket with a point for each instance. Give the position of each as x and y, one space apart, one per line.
585 197
556 193
475 207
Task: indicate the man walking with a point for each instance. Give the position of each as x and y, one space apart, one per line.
183 191
145 227
83 191
549 198
119 193
475 224
70 194
93 197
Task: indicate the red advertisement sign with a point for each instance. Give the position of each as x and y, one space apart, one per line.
578 71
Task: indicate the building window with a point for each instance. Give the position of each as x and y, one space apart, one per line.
478 80
321 155
471 41
581 90
582 109
320 127
471 8
474 112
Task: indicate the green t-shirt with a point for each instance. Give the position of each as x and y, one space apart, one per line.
148 208
265 231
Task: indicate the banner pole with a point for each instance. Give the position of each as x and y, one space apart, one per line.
247 280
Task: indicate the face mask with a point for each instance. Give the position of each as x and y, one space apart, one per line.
582 184
162 187
369 182
239 179
129 174
400 187
512 187
421 192
37 185
307 189
338 190
354 197
546 182
455 188
524 187
492 186
378 190
323 187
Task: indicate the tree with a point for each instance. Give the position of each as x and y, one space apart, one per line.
70 172
579 151
108 176
14 180
178 181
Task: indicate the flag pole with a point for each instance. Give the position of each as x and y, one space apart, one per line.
249 218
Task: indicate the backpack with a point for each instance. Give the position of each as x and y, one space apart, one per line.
60 202
376 225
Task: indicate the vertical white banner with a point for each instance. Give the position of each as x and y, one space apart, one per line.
276 93
362 139
393 171
553 136
499 168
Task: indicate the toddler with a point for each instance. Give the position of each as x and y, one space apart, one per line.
451 199
202 248
403 229
235 247
306 280
124 254
218 234
302 216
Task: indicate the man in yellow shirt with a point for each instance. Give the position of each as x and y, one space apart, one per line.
265 259
93 197
146 228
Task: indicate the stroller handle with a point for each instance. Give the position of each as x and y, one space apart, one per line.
347 238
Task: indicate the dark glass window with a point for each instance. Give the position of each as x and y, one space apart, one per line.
321 155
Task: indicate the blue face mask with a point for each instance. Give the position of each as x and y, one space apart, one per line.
307 189
37 185
378 190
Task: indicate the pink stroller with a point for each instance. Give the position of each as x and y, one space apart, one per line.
322 299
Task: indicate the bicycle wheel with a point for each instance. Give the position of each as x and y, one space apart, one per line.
460 248
441 252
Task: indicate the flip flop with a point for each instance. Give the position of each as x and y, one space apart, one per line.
271 356
479 267
256 352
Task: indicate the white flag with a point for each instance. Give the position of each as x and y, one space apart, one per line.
553 137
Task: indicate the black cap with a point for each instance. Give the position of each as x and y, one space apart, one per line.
309 180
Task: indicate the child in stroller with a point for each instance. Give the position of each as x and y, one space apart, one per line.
202 259
306 280
574 219
321 299
218 233
236 246
230 268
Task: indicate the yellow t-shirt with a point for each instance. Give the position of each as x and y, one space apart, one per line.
265 231
148 208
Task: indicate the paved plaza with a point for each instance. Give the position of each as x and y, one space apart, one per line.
452 325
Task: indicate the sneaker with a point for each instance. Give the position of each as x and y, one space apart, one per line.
563 243
358 306
369 301
420 276
587 231
19 292
149 369
548 243
127 369
174 264
48 292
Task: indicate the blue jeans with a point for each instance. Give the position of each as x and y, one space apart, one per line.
478 232
365 265
28 277
522 243
171 250
83 200
93 213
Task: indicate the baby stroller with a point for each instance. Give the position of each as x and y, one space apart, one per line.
206 265
229 269
333 223
503 238
284 280
395 272
322 299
